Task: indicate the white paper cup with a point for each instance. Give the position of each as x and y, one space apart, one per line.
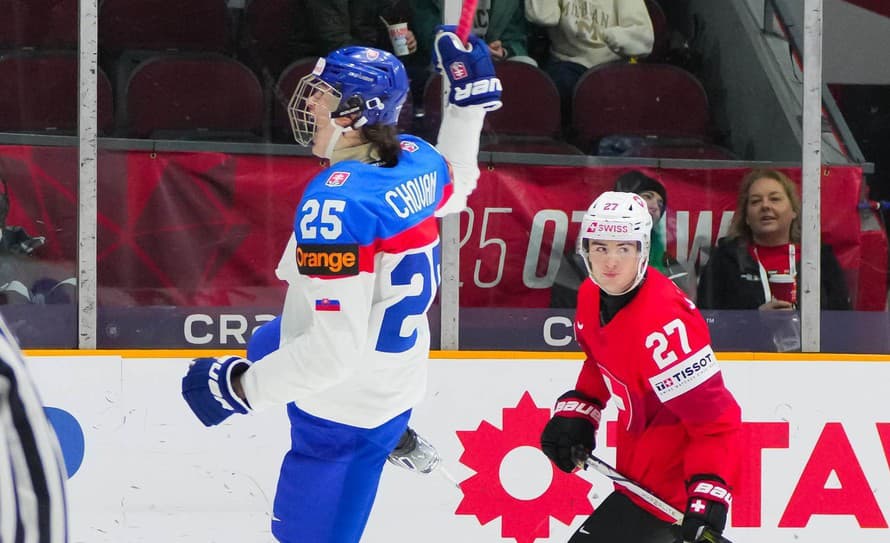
398 35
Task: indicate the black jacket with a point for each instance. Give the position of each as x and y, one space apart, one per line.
731 279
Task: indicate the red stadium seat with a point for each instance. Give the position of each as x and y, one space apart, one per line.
528 121
159 25
47 24
639 100
194 97
531 102
39 90
270 29
662 31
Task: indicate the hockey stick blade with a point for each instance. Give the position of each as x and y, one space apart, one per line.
601 466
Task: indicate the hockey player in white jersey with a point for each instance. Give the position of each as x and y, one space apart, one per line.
348 355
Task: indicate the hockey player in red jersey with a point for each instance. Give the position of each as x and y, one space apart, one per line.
647 350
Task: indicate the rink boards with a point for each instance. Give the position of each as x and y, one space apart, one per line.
816 450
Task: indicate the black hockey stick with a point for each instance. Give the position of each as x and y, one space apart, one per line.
708 535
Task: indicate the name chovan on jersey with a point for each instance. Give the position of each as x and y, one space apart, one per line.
327 260
413 195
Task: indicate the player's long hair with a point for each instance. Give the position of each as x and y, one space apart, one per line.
739 228
385 138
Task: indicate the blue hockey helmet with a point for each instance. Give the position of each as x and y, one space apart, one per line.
363 80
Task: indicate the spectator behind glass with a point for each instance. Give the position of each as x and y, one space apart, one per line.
587 33
655 195
501 23
755 266
572 270
332 24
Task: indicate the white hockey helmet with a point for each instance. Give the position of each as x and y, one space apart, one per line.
618 216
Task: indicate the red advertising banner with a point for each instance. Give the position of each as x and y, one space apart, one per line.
522 219
207 229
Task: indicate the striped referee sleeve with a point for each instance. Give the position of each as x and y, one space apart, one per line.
33 508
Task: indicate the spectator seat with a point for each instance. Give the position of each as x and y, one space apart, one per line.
39 90
44 24
638 100
528 121
269 32
159 25
662 31
193 96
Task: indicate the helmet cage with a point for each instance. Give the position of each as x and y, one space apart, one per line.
300 110
370 86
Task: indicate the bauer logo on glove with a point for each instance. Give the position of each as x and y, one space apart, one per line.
467 70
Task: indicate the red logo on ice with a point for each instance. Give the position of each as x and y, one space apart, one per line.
327 304
336 179
485 497
458 70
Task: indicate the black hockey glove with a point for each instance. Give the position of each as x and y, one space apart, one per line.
706 509
570 436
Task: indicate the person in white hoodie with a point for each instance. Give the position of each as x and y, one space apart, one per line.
587 33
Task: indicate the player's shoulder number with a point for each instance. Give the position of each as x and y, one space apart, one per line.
657 342
322 218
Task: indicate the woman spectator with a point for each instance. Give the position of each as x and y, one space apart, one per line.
755 266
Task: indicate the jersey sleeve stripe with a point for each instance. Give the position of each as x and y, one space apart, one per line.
419 235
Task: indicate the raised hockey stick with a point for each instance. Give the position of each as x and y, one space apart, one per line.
709 535
465 23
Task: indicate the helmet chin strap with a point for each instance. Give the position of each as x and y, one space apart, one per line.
338 131
335 137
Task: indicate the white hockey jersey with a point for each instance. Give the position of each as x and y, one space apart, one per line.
362 268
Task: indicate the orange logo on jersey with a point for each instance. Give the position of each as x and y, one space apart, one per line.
327 260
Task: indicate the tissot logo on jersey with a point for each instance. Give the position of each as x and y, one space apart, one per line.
686 375
327 260
413 195
336 179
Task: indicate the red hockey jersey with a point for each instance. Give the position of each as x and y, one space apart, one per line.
654 361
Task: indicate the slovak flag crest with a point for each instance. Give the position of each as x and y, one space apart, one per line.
458 70
327 304
337 179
